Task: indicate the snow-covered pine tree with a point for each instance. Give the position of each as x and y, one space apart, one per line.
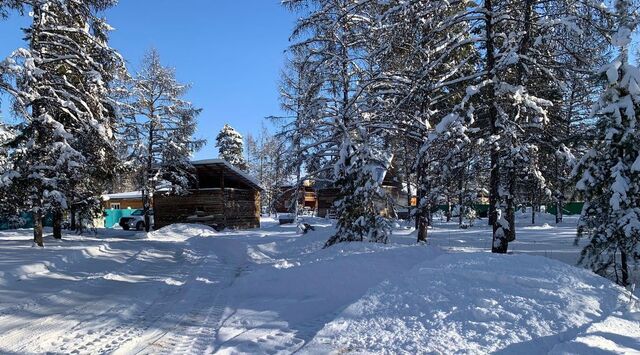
508 98
300 96
424 52
160 131
331 45
8 5
62 93
230 146
610 172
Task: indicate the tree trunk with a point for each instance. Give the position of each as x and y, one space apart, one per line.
72 223
448 209
146 190
533 214
421 218
57 224
559 207
422 229
500 243
624 268
460 200
37 228
559 193
533 207
511 205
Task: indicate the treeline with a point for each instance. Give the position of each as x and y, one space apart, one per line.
526 101
84 122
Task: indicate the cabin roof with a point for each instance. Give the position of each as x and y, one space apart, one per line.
123 196
235 172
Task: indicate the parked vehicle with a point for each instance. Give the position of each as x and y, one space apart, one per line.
136 220
286 218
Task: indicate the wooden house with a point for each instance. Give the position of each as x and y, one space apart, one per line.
397 196
307 198
327 196
224 196
122 201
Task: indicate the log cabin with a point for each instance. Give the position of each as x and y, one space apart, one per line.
223 196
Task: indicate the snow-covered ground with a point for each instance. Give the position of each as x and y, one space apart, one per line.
189 289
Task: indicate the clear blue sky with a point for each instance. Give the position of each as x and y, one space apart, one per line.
230 51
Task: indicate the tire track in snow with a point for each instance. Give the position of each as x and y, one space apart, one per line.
113 333
84 315
197 327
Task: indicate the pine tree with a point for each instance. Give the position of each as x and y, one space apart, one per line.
610 172
332 66
509 96
160 131
230 146
62 88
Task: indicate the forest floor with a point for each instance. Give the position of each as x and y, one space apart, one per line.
188 289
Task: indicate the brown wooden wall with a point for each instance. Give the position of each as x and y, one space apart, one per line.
326 198
240 208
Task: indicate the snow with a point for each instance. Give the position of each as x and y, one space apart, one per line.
123 195
636 165
474 303
189 289
231 167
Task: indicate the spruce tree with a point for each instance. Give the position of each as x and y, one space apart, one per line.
230 146
610 172
333 64
62 89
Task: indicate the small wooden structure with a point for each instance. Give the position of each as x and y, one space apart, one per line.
122 200
326 198
387 177
307 197
224 196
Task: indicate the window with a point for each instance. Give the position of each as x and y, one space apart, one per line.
115 206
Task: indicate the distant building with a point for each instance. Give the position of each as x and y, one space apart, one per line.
395 204
123 200
307 198
224 196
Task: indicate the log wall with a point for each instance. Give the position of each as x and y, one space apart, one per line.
238 208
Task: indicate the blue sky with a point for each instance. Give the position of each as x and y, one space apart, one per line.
230 51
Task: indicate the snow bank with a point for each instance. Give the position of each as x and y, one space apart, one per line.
181 231
480 303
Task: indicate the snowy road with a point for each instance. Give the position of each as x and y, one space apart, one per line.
111 295
191 290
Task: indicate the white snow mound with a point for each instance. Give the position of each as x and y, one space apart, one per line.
182 232
480 303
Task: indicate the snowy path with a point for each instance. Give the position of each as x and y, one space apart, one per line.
191 290
148 299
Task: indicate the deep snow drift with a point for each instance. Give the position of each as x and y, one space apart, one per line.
190 289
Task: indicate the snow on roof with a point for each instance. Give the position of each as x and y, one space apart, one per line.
122 195
250 178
